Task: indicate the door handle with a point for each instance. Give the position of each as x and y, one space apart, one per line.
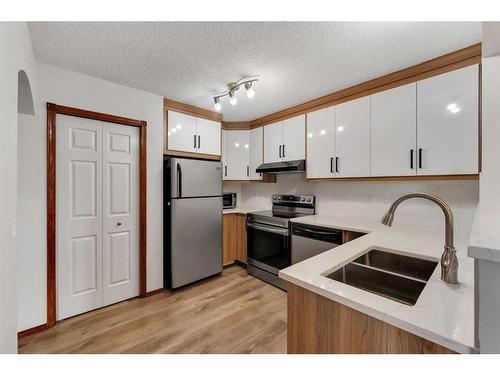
337 164
199 142
179 182
411 159
283 150
420 158
194 136
280 151
331 165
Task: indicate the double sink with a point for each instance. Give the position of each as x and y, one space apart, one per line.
398 277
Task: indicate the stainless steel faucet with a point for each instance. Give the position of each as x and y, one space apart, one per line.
449 260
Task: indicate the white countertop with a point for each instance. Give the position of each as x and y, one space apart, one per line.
443 314
485 234
242 210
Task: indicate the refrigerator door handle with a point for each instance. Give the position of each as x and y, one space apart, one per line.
179 180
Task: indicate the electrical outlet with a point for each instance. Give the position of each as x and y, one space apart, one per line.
13 233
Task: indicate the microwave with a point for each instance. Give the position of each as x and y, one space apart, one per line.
228 200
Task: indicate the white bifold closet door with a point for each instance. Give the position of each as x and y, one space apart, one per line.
97 214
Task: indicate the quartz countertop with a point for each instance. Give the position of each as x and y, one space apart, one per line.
485 234
242 210
443 314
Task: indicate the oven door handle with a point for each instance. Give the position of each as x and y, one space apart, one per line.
265 228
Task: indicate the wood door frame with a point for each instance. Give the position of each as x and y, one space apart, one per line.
52 111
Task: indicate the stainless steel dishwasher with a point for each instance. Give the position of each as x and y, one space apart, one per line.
310 240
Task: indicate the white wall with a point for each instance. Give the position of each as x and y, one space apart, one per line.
77 90
16 54
372 199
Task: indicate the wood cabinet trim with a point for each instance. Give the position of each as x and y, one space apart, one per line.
398 178
452 61
188 109
241 125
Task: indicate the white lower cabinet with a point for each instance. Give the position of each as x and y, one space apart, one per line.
256 152
447 123
394 132
237 155
320 143
352 138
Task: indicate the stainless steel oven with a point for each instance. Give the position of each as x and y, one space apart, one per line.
269 239
229 200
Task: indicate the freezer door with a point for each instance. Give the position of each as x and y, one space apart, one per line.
196 239
195 178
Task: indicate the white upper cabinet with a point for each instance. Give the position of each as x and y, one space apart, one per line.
237 145
320 143
285 140
192 134
223 157
256 154
208 136
393 132
352 138
447 123
294 142
273 142
181 132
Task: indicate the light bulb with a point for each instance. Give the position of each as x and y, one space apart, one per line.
217 104
232 98
250 90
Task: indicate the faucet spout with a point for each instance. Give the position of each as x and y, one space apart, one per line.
449 260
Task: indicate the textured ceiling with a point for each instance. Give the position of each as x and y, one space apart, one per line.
296 61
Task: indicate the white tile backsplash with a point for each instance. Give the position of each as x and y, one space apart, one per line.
372 199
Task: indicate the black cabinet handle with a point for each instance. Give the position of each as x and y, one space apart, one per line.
411 158
420 158
337 164
194 136
199 141
331 165
225 171
280 152
248 171
179 180
283 150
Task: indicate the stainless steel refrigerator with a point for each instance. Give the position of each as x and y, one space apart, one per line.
192 220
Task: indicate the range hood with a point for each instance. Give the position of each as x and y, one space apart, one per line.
293 166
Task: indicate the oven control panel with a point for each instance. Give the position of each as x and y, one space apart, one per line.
292 200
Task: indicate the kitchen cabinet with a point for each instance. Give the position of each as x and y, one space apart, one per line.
320 143
208 136
352 138
273 142
294 142
318 325
285 140
394 132
447 123
237 155
181 132
186 133
256 152
234 238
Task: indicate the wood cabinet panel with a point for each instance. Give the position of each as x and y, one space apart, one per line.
241 238
234 241
319 325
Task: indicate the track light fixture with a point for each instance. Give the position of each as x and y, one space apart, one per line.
232 87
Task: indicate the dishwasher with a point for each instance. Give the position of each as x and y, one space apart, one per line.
310 240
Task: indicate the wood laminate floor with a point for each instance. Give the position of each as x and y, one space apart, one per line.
232 313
